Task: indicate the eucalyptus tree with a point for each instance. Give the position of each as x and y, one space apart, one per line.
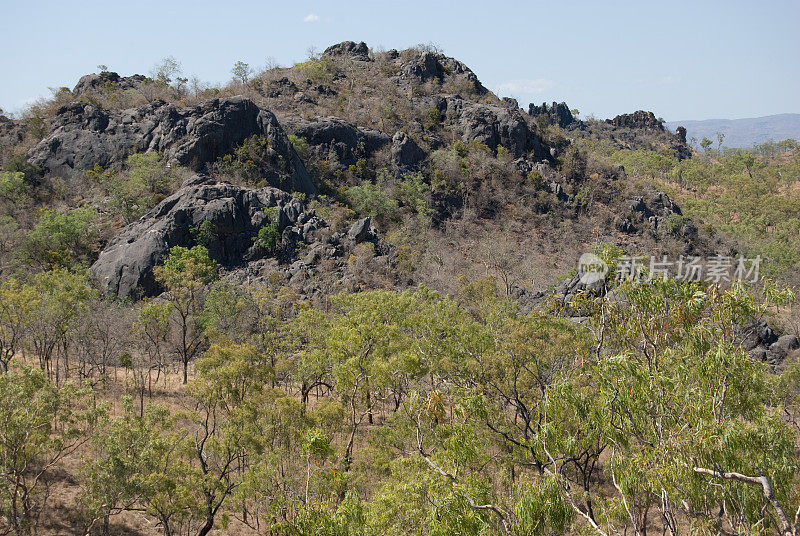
186 274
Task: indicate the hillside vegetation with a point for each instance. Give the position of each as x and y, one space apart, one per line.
340 298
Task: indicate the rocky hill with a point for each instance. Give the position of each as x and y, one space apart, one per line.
343 298
454 180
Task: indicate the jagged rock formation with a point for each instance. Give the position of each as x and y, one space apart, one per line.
11 132
680 133
83 135
406 154
337 141
125 267
653 208
638 119
349 49
430 66
434 100
107 79
491 125
559 112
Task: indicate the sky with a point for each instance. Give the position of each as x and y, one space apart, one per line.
680 59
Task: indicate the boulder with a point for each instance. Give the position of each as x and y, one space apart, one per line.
758 334
784 345
107 80
433 67
83 135
490 125
282 86
362 230
125 266
12 132
654 204
406 154
336 140
348 49
638 119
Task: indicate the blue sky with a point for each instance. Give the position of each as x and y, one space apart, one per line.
682 60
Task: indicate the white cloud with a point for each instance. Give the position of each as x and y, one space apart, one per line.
311 17
524 87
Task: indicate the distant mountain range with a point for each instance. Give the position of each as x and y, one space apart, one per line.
743 132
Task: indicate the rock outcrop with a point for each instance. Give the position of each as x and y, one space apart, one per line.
761 341
107 80
653 208
348 49
433 67
680 133
559 113
638 119
491 125
406 154
125 267
335 140
83 135
12 132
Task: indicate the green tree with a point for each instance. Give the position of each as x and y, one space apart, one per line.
61 297
17 304
241 71
60 240
185 275
40 424
368 199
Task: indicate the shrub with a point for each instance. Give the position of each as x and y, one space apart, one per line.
368 199
12 187
414 192
268 237
18 163
320 70
144 182
60 240
252 162
300 146
205 233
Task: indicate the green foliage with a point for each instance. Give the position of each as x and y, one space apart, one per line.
186 274
433 118
144 182
205 233
253 161
241 71
268 237
13 188
414 192
300 146
40 424
674 223
130 463
318 70
369 199
60 239
187 268
19 164
17 305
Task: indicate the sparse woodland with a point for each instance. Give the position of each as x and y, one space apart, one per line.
429 380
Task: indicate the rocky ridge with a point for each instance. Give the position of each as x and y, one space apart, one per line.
82 135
